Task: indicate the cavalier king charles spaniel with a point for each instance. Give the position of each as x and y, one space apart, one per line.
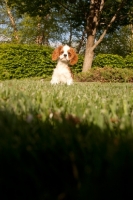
66 56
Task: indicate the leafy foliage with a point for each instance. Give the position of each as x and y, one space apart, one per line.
129 60
71 20
78 67
22 61
108 60
78 10
119 42
106 74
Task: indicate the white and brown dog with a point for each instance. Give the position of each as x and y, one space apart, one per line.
66 56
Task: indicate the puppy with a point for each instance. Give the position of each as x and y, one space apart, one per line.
66 56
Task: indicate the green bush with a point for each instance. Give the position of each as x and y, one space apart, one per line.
23 61
108 60
129 60
78 67
106 74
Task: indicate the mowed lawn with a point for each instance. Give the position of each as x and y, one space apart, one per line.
66 142
103 104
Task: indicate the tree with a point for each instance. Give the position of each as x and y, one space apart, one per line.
131 37
35 29
12 19
42 30
4 21
119 42
95 16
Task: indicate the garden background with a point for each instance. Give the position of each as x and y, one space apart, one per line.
66 142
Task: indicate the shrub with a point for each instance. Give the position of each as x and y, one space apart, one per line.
17 61
108 60
22 61
106 74
129 60
78 67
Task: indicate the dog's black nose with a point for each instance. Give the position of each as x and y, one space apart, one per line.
65 55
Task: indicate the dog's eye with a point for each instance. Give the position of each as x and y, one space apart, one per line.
62 52
69 53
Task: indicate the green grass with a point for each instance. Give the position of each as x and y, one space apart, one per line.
66 142
104 104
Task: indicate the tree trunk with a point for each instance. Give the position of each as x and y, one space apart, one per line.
131 39
42 36
70 36
12 20
92 23
89 54
81 41
93 18
39 37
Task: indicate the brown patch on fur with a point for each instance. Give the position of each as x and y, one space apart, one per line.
56 53
73 56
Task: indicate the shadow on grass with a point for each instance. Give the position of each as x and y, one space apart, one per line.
63 159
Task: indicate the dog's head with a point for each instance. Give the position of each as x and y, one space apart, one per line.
65 54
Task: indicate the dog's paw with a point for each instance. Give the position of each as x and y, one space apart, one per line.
53 82
70 82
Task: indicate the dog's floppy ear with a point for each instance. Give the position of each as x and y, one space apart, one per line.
56 53
74 57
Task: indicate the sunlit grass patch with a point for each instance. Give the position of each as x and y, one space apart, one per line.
103 104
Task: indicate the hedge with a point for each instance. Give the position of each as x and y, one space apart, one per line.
105 74
129 60
109 60
22 61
